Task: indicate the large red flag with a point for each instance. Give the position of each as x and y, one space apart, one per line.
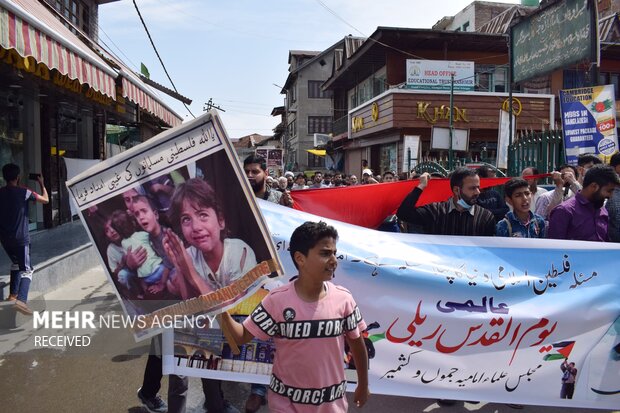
369 205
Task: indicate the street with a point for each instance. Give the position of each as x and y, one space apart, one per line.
105 376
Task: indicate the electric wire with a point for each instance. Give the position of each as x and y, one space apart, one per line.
158 56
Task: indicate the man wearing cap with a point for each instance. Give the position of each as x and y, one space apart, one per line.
290 177
367 177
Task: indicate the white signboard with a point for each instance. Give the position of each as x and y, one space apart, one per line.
440 139
411 151
436 74
503 138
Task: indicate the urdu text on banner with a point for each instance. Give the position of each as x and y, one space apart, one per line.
468 318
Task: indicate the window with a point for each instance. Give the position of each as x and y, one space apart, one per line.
292 129
499 80
605 78
76 12
574 79
315 161
292 94
465 26
491 78
319 124
483 81
315 92
367 89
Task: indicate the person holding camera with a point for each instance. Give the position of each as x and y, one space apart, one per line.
14 235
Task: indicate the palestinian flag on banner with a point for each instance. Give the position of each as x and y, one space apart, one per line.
562 351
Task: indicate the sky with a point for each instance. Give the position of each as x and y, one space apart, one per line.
236 52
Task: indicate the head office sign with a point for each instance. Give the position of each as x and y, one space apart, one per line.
556 36
437 74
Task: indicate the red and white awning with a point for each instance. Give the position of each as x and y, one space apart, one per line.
29 28
136 91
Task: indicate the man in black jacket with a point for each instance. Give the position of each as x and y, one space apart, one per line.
459 215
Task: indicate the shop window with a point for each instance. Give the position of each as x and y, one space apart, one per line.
388 155
319 124
315 92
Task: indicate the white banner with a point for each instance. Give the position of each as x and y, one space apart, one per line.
467 318
503 138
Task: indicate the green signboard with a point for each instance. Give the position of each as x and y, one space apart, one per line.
557 36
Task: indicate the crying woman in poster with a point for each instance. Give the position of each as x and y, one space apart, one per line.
211 261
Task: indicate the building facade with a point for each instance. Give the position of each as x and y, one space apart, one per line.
308 108
60 93
384 120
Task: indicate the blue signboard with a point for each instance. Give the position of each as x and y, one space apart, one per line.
589 121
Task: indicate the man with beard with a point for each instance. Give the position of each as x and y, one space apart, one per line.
317 181
573 219
255 168
459 215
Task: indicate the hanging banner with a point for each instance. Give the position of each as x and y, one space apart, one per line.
589 121
462 318
176 226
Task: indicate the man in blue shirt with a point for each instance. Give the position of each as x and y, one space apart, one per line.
520 222
14 235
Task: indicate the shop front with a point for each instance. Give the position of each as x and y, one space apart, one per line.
57 97
403 123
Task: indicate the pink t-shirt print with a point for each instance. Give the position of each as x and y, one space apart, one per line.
308 369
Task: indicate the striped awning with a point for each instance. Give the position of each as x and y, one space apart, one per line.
29 28
136 91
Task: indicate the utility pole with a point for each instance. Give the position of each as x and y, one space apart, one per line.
450 152
210 105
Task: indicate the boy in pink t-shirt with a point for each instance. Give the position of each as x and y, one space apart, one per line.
308 319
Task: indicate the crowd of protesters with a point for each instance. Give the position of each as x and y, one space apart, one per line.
584 203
